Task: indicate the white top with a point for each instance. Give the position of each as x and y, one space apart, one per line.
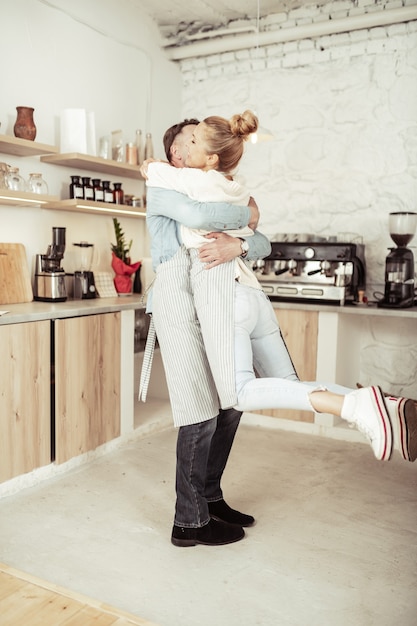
210 186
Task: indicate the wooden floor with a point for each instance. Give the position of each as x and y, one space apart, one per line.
28 601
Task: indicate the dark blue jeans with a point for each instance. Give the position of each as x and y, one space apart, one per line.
202 453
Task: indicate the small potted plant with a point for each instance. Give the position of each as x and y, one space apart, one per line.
120 263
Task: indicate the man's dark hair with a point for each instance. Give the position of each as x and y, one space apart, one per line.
172 132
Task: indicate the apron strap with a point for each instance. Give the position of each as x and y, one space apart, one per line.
147 362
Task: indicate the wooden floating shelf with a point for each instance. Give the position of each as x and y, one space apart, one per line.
101 208
94 164
24 198
24 147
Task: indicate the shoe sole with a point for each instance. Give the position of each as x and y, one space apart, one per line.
187 543
379 402
407 414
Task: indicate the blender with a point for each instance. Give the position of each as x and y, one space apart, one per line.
84 285
399 264
49 285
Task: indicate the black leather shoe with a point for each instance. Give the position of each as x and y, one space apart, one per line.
220 510
214 533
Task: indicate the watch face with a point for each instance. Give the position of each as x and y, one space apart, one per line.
245 246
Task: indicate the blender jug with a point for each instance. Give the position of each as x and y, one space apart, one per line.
84 284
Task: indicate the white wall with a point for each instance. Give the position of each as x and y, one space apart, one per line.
99 55
343 111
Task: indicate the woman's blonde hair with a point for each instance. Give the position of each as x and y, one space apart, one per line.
226 138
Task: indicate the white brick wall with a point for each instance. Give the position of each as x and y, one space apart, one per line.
370 73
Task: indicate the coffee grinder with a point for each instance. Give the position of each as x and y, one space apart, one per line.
49 285
399 264
84 284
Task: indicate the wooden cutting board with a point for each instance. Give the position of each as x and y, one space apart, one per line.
15 284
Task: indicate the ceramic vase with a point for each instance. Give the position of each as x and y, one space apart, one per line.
24 127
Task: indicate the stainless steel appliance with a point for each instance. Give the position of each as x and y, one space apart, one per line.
49 284
314 270
399 264
84 283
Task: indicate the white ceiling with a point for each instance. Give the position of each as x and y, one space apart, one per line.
182 20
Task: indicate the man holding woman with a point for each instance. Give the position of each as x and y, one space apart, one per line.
205 433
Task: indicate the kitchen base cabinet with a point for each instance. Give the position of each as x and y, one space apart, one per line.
300 332
25 432
87 383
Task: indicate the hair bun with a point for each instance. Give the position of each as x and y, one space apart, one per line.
244 125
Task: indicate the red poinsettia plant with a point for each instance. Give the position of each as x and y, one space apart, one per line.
121 264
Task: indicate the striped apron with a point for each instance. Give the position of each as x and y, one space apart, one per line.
191 387
193 366
214 299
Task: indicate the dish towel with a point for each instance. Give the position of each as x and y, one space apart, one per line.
105 285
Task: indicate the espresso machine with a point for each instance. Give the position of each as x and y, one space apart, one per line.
399 264
84 284
313 269
49 284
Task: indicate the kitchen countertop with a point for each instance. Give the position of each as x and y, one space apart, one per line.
349 309
34 311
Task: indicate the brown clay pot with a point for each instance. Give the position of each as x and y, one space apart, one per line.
24 127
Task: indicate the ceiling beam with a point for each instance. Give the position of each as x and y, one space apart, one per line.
218 45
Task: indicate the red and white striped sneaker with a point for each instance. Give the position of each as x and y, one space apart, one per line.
403 416
365 408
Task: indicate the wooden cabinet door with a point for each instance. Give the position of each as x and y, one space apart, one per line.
300 331
87 383
25 422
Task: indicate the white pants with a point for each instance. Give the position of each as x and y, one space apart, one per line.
259 345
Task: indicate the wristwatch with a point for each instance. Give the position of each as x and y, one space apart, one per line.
245 247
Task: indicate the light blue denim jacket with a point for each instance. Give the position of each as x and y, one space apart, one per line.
167 210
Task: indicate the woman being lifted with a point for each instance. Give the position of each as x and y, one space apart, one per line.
214 152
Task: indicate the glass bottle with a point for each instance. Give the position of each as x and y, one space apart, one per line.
139 146
88 188
4 168
36 184
14 180
98 190
148 147
131 154
118 194
76 188
137 283
107 192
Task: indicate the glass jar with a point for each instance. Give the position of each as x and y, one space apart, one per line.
36 184
4 168
76 187
88 188
14 181
131 154
98 190
118 194
107 192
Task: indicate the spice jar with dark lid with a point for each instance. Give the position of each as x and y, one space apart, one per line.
76 188
108 193
118 193
98 190
88 188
